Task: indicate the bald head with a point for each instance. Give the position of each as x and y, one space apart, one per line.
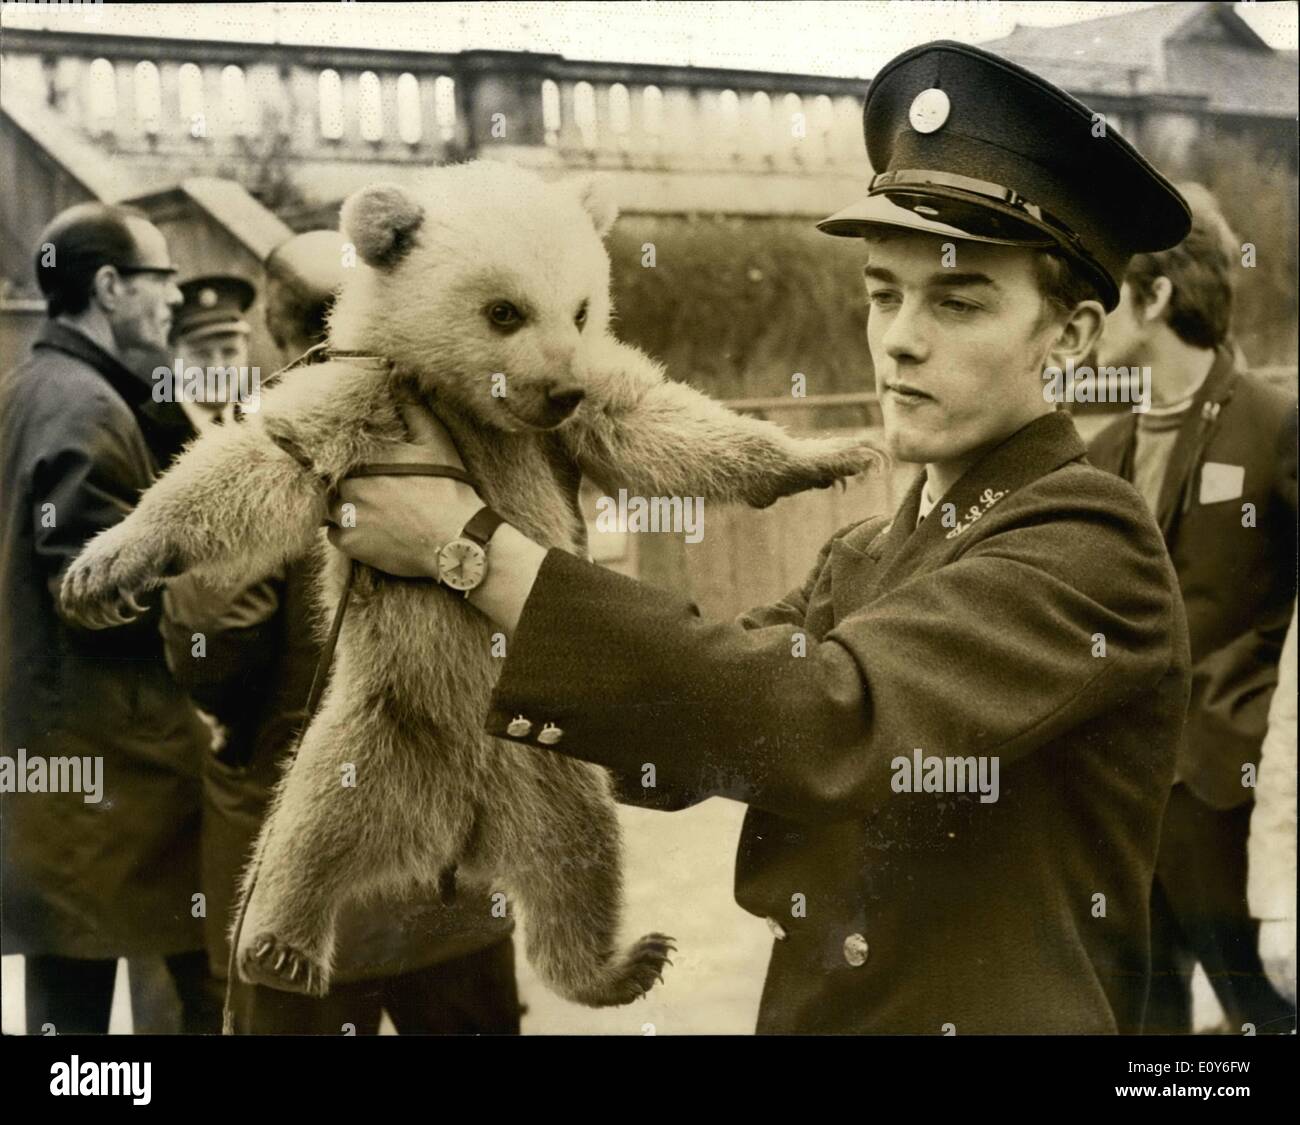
78 242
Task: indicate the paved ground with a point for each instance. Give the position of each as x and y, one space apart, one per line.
679 880
678 873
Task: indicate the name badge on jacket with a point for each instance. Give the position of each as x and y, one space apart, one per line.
1221 482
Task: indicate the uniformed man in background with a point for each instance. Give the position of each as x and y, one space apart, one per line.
1018 612
210 332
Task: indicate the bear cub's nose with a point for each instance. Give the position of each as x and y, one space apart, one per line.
563 398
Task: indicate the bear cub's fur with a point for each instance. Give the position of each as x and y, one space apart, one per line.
485 271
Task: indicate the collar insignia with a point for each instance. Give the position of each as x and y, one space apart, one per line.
976 511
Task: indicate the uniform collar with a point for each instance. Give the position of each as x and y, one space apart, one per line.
926 503
1033 451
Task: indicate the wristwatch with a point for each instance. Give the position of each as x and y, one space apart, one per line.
462 563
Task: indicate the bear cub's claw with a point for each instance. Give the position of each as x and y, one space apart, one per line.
818 463
271 962
99 589
644 966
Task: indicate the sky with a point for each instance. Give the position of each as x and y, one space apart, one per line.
850 40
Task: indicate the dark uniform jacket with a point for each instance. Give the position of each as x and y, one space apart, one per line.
977 635
1235 565
80 432
260 653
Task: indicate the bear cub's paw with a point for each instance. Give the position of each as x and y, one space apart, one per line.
642 967
266 960
99 588
814 463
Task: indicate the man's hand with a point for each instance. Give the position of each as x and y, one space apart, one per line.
398 524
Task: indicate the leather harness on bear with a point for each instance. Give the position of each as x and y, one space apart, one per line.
446 877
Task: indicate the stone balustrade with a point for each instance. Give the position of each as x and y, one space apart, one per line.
211 99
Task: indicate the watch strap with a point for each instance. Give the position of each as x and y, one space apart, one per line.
482 526
411 469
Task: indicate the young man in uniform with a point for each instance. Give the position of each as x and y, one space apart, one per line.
1019 614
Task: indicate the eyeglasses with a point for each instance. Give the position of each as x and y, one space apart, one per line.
157 271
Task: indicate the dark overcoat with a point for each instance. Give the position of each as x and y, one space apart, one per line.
80 439
1227 509
1036 622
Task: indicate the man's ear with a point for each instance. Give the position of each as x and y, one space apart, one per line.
1162 291
1077 336
381 221
106 285
597 198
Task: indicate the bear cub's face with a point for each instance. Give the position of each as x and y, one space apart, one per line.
488 284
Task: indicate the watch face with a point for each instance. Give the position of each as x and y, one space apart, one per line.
462 564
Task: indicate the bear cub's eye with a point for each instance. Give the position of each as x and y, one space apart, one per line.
503 314
580 317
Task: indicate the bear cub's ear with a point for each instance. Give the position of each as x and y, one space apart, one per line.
381 221
597 197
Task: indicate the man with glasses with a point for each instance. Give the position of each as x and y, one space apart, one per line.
107 867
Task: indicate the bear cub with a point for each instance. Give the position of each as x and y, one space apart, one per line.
484 294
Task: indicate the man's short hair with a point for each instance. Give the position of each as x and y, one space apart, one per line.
294 311
84 238
303 275
1061 284
1200 270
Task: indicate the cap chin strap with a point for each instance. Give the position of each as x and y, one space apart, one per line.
922 177
903 181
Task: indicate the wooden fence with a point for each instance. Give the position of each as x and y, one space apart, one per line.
748 557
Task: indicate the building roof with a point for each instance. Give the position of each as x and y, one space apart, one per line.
228 204
1201 49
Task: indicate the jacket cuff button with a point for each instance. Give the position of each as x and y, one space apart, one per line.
549 735
518 727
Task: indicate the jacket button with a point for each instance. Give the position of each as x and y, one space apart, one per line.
855 950
778 930
549 735
518 727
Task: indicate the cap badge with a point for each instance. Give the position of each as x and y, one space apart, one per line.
207 298
930 109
